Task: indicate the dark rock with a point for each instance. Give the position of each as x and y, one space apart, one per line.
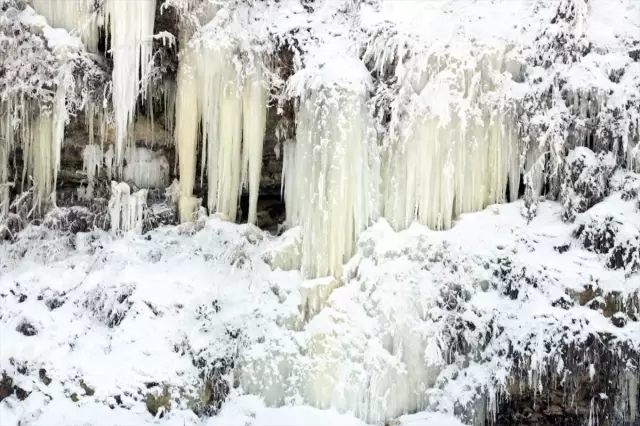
42 373
54 303
562 249
619 319
88 391
26 329
21 394
6 386
156 403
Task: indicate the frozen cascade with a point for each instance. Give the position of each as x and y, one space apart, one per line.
254 122
186 134
146 168
42 139
131 30
76 16
330 172
39 159
460 149
126 210
371 350
4 181
231 108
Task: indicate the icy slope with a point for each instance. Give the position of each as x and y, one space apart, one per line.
172 323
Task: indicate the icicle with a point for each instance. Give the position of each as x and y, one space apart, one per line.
534 170
4 178
459 150
109 161
91 161
172 192
6 145
228 156
169 101
40 162
255 119
146 168
126 210
131 30
231 108
328 186
186 133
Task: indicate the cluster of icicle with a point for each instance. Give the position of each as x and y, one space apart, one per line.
41 133
457 151
131 35
41 139
127 210
230 106
330 173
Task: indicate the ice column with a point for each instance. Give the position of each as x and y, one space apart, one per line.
231 107
131 29
330 172
458 150
126 210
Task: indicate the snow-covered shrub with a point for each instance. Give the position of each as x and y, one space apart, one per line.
599 235
46 76
37 243
582 94
586 181
27 65
512 280
612 237
70 219
110 303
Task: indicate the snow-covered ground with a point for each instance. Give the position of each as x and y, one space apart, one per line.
422 322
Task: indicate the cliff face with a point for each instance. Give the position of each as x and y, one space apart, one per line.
445 196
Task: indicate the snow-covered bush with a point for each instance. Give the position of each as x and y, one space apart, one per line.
583 92
611 228
110 303
586 180
70 219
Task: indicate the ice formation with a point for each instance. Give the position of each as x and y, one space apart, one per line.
92 161
77 16
42 139
330 173
458 149
126 210
39 165
186 134
230 105
131 30
4 180
146 168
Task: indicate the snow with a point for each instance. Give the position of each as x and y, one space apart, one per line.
78 17
122 313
